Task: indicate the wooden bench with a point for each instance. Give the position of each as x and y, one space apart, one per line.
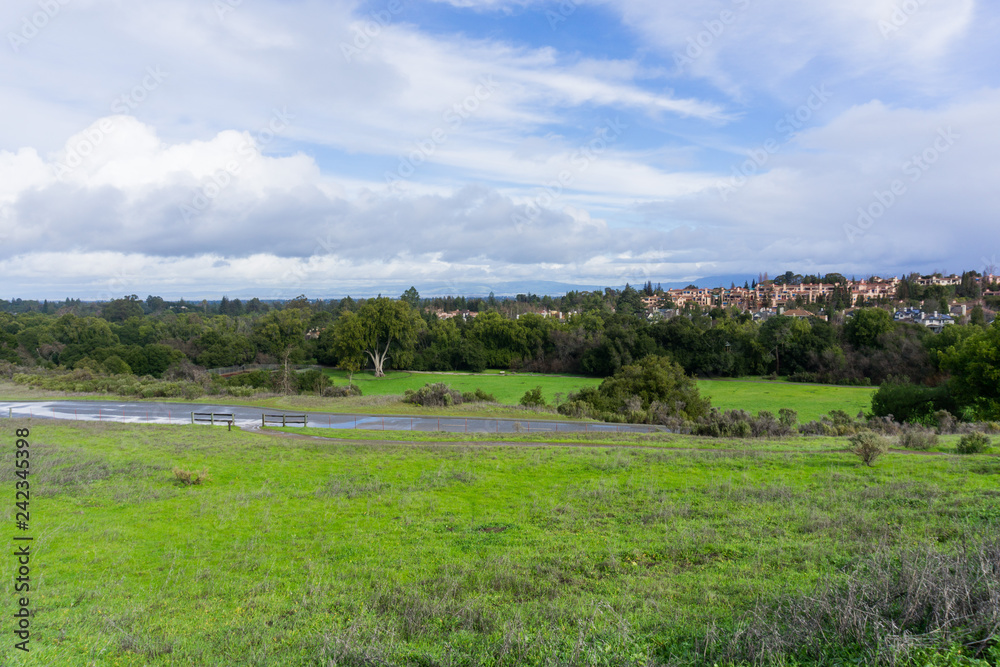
284 420
214 418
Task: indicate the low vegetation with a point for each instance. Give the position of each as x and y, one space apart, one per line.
868 447
973 443
306 552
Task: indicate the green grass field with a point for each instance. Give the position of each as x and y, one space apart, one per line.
310 552
809 400
508 388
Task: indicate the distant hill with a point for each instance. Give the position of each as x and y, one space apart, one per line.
476 289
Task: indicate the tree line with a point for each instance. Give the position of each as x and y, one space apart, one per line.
608 332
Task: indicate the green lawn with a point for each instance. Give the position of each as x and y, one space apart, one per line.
508 388
308 552
810 400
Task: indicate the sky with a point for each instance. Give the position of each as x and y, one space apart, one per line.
270 148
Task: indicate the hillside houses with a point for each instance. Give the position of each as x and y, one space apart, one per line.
770 294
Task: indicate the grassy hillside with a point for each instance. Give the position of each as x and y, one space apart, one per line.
308 552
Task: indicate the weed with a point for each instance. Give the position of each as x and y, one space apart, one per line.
191 477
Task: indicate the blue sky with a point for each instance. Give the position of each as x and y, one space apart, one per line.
207 147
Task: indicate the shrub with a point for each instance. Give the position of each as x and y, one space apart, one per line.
788 417
885 425
478 396
973 443
437 394
868 446
918 438
576 409
191 477
945 421
740 424
654 379
909 402
342 391
533 398
312 380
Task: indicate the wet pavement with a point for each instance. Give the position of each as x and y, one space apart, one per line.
250 417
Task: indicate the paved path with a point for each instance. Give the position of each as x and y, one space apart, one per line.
250 417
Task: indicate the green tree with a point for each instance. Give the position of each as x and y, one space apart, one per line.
775 334
655 380
975 368
412 297
280 332
503 341
120 310
381 329
866 325
629 302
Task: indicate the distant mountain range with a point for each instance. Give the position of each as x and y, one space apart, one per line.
474 289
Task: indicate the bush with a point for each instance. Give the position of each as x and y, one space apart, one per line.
918 439
945 421
909 402
478 396
312 380
788 417
973 443
342 391
533 398
817 428
654 379
740 424
885 425
576 409
868 446
437 394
